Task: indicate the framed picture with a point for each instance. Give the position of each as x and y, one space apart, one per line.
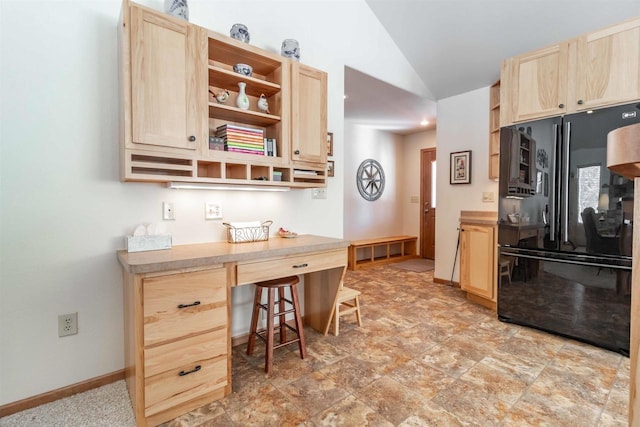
330 144
538 181
330 166
460 169
545 184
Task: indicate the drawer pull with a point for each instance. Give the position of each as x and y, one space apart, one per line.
301 265
189 305
196 369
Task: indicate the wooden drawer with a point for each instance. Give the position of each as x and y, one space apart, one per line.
169 312
190 350
257 271
169 389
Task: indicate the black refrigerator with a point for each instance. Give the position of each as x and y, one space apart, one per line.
565 228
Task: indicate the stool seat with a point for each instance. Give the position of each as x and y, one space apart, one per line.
267 334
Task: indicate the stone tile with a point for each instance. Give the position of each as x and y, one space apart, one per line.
471 403
313 393
392 400
499 381
422 378
553 409
352 373
449 361
264 406
350 412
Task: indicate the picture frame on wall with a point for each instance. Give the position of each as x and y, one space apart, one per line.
460 168
330 168
329 143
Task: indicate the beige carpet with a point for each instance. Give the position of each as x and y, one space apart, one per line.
419 265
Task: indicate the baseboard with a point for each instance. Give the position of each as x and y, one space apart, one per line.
446 282
50 396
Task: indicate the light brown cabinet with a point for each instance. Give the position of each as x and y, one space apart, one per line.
595 70
606 67
478 256
535 84
309 101
170 72
166 82
494 131
177 342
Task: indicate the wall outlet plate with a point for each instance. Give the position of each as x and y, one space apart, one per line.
212 210
168 211
67 324
319 193
488 196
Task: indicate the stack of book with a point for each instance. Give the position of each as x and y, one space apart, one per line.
242 139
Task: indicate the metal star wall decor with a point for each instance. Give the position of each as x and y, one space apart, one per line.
370 180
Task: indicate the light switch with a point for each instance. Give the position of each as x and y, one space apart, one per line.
212 210
488 197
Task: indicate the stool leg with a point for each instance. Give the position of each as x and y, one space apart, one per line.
268 364
282 318
298 317
254 320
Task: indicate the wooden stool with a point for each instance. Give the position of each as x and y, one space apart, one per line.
349 299
505 270
267 334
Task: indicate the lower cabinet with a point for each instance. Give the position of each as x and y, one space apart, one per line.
178 345
478 255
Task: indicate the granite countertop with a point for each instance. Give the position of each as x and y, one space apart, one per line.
203 254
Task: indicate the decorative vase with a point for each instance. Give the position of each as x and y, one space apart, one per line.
291 49
178 8
243 100
240 32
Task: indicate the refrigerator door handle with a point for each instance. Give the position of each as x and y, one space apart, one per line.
552 216
565 190
566 261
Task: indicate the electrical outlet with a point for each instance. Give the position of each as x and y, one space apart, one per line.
488 196
168 211
67 324
319 193
212 210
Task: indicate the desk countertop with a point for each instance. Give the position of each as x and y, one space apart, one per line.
203 254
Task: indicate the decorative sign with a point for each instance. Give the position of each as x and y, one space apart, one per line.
460 172
370 180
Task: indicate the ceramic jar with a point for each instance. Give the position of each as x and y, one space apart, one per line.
243 100
291 49
178 8
240 32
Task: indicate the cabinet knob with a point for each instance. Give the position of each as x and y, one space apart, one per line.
192 138
296 152
580 102
561 106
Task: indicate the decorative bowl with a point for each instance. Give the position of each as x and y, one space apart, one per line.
244 69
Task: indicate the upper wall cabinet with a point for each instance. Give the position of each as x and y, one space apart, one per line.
595 70
179 93
309 100
167 82
535 84
607 66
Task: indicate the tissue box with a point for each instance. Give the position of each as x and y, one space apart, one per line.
148 243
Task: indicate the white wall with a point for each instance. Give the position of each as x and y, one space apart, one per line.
363 218
63 212
463 124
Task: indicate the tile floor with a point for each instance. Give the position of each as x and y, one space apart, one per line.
424 356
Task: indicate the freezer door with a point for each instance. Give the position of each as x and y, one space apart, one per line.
581 297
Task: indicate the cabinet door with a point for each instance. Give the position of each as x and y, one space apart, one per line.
537 83
477 259
309 114
168 81
606 68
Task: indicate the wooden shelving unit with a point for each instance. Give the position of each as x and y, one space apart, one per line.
494 131
383 250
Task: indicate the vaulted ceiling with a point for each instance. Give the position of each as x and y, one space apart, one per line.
457 46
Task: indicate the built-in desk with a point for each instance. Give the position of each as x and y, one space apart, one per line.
521 234
177 313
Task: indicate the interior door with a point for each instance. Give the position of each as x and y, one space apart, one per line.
428 203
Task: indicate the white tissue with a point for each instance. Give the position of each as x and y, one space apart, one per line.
149 237
148 230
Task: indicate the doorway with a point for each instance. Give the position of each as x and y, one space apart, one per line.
428 203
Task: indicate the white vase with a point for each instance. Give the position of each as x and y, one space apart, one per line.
243 100
290 49
178 8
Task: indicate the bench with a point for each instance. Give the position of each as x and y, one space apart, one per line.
381 250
